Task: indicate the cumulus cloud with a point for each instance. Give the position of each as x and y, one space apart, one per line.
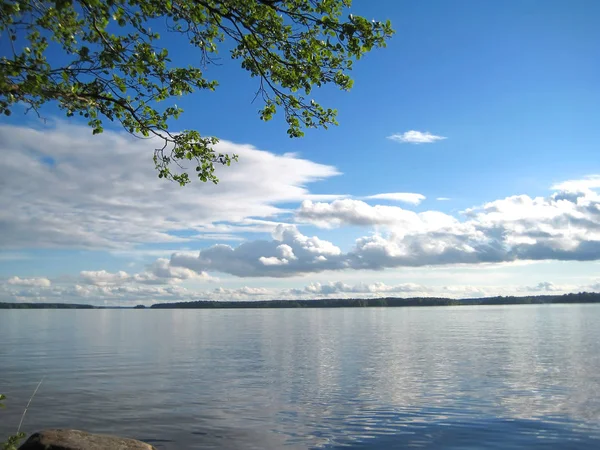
563 226
415 137
312 255
289 253
103 278
162 272
103 193
359 213
29 282
108 288
466 291
339 287
124 294
158 273
406 197
128 295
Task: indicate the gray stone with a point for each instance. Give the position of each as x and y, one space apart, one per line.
80 440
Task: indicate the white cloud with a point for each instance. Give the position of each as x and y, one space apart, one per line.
359 213
112 295
519 228
416 137
562 226
286 251
103 193
242 293
333 288
289 253
467 291
273 261
103 278
29 282
584 184
443 199
160 272
129 295
406 197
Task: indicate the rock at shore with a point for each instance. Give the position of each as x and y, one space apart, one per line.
80 440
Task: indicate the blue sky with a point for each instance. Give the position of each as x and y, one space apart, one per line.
510 86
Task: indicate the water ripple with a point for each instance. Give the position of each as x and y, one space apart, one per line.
426 378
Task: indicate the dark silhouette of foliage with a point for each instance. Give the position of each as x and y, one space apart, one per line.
44 306
582 297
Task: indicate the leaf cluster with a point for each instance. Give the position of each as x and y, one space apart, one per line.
105 60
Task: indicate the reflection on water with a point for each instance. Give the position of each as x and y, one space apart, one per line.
431 378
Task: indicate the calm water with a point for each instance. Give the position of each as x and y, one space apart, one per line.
430 378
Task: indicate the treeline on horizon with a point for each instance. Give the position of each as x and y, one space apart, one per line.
582 297
45 306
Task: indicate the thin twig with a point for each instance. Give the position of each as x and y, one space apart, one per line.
28 403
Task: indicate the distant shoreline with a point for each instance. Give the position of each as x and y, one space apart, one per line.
390 302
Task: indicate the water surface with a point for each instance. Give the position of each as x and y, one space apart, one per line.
372 378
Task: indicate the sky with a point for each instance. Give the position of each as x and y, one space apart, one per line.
465 164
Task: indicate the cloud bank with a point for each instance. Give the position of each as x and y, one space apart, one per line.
62 189
562 226
130 294
66 191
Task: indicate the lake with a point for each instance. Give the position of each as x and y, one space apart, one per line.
365 378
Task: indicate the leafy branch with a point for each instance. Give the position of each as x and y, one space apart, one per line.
103 60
